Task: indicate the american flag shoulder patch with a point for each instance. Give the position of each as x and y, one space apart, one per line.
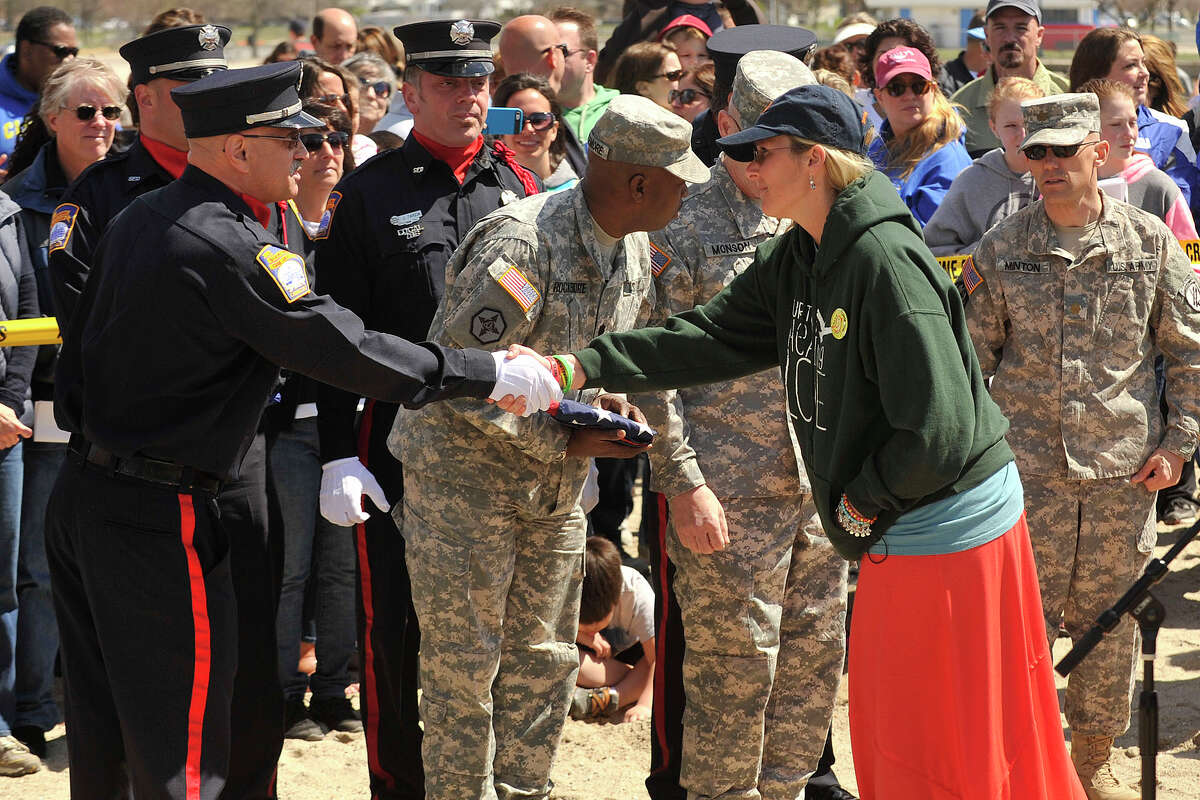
970 276
658 259
518 287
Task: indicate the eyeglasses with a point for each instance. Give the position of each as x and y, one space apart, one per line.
761 153
380 88
898 88
539 120
88 113
61 51
294 141
1036 152
569 53
685 96
332 99
562 48
312 141
673 75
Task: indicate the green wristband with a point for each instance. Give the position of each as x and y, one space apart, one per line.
568 373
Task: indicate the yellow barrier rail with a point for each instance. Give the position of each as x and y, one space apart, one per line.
38 330
954 264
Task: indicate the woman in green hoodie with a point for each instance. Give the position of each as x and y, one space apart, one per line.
951 693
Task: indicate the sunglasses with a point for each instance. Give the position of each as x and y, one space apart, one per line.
312 141
1036 152
61 51
293 141
761 153
539 120
686 96
88 113
566 51
332 99
673 75
898 88
380 88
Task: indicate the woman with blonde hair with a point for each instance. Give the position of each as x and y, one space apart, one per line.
996 184
920 145
951 690
650 69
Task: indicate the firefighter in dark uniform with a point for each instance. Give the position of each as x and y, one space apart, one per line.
160 62
164 372
395 223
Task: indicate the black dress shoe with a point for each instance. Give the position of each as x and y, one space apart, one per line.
827 793
32 737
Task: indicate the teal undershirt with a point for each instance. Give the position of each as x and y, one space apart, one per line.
959 522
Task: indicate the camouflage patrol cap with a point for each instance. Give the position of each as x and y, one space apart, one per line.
1060 119
636 130
763 75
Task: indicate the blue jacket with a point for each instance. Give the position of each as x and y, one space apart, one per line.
15 102
1171 150
922 191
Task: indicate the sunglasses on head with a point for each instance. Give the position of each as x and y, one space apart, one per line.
1036 152
673 75
332 99
87 113
898 88
380 88
539 120
686 96
312 141
61 51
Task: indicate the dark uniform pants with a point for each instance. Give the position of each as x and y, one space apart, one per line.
389 638
143 591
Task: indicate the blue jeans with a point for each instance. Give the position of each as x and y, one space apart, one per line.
11 474
37 630
294 464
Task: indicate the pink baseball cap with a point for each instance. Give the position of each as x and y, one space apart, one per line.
685 21
901 60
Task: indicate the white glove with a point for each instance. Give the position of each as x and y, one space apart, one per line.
343 483
524 376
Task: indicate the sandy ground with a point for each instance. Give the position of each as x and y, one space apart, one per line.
606 761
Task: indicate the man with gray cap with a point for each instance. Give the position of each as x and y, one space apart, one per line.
1069 301
492 515
760 689
1013 31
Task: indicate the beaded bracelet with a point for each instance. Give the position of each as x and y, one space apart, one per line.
852 520
566 375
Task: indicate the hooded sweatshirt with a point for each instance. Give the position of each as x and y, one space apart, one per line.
15 102
982 195
1151 189
883 387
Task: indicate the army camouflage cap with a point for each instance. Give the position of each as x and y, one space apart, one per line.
1060 119
763 75
636 130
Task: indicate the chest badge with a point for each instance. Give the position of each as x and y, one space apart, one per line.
408 225
839 323
1191 293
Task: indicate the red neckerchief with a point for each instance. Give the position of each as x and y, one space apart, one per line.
167 157
524 174
457 158
174 161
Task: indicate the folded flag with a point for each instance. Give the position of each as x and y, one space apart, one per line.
581 415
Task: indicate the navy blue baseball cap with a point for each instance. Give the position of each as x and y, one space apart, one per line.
452 48
816 113
238 99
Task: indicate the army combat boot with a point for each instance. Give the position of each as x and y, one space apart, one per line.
1091 756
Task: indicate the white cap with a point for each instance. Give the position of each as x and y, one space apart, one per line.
852 30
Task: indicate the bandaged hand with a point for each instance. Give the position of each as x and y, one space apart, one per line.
524 377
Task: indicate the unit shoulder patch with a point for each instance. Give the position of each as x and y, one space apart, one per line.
62 225
287 270
327 216
513 281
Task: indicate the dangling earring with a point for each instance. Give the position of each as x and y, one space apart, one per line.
812 184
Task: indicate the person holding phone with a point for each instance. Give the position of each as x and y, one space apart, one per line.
537 144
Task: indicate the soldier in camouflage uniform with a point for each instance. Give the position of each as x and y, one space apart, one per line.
1070 300
492 516
764 617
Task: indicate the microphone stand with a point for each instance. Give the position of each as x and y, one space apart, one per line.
1144 607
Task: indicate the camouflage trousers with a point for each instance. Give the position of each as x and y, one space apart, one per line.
497 594
765 625
1091 540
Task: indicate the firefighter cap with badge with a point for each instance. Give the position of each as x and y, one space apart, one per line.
185 53
238 99
452 48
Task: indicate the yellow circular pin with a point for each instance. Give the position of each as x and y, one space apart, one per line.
839 323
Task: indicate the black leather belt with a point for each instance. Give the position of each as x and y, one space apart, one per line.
151 470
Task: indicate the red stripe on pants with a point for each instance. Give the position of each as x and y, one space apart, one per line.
203 649
660 642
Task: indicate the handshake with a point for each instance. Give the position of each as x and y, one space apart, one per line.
527 381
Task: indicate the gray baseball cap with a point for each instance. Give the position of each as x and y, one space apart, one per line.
763 75
1030 7
1060 119
636 130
